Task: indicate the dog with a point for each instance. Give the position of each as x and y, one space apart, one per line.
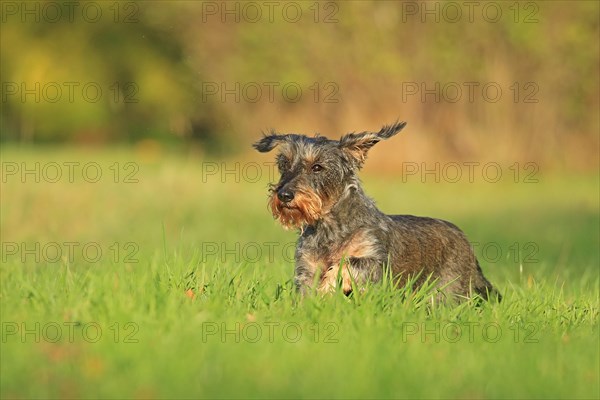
345 240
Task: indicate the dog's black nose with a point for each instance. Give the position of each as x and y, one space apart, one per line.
285 195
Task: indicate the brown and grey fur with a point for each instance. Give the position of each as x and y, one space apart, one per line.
345 240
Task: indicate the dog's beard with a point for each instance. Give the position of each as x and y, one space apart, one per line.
305 209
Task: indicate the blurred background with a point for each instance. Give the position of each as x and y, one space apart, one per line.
126 130
508 82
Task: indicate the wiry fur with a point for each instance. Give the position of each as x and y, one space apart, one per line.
345 240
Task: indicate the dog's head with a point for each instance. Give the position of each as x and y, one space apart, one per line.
315 171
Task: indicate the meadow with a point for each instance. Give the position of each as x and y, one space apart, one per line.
141 273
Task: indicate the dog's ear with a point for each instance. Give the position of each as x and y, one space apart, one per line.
358 144
269 142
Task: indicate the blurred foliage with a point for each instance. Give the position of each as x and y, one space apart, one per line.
155 62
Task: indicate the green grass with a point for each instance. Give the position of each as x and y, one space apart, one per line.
166 317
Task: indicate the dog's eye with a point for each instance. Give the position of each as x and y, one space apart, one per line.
317 168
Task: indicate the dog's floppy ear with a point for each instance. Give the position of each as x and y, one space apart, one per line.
269 142
358 144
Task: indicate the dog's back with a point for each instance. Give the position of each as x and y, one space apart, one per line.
438 249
